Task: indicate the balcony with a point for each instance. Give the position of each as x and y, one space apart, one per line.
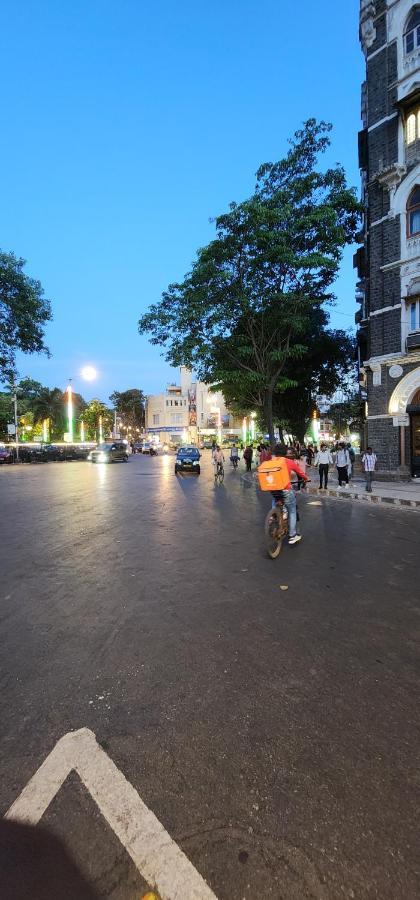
413 341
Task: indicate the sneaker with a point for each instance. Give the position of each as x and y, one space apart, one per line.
295 539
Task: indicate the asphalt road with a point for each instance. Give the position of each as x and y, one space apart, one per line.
274 733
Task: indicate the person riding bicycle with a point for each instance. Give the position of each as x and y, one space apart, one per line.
279 468
218 458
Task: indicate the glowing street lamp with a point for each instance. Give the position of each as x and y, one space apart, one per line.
253 417
101 437
70 412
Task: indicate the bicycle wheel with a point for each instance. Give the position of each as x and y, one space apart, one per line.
274 532
221 475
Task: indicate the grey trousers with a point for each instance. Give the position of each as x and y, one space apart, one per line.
369 479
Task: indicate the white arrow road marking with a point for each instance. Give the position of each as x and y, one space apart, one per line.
158 858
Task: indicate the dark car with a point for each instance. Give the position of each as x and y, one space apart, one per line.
6 455
108 453
187 460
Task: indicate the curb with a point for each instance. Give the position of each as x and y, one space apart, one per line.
352 495
367 498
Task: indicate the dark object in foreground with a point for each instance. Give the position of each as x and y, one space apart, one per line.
35 865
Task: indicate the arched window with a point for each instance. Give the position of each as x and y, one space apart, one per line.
413 212
412 31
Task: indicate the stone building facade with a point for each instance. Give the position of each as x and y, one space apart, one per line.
388 263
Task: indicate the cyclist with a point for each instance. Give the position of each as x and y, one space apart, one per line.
234 456
282 465
218 459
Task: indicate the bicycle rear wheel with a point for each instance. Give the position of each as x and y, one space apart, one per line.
221 475
274 532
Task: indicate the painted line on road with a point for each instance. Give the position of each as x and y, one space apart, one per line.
158 858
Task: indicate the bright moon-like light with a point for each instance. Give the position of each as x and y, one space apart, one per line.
89 373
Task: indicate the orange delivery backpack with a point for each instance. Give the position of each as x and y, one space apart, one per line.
273 475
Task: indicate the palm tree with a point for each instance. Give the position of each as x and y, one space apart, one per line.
50 404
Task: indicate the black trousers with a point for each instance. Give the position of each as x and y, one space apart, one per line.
343 475
248 464
323 474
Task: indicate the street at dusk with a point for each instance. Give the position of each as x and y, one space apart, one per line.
272 732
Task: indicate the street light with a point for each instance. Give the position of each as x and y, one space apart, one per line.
70 412
100 430
253 417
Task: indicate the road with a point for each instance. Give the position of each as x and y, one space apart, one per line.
274 733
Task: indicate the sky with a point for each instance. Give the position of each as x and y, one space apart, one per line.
127 126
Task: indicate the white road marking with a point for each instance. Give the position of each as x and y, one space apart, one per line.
158 858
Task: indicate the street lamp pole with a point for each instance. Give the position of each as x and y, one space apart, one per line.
70 411
16 420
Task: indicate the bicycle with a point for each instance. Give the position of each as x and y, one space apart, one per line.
234 460
276 525
219 473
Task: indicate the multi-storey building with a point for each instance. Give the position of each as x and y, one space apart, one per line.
388 263
188 411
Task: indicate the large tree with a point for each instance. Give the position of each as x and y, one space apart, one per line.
24 312
130 406
244 310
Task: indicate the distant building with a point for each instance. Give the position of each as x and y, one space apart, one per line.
388 263
189 412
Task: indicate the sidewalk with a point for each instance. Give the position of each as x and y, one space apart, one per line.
390 492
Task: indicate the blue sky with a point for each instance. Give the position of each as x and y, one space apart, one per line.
127 125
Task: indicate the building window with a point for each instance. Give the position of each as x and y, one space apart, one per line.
412 128
412 31
156 419
414 316
413 212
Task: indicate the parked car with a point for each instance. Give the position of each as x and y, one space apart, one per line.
6 455
187 460
108 453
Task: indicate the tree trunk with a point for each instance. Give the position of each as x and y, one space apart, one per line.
268 413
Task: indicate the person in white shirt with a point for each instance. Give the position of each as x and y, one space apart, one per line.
323 460
342 462
369 462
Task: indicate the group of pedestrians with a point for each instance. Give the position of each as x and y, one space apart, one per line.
343 457
340 455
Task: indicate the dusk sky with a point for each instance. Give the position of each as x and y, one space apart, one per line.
126 126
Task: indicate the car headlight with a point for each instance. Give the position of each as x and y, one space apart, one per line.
195 462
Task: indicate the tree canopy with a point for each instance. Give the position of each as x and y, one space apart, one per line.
242 315
130 406
24 312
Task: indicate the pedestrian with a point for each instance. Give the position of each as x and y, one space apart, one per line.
342 462
248 453
352 456
265 453
323 460
234 456
369 461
